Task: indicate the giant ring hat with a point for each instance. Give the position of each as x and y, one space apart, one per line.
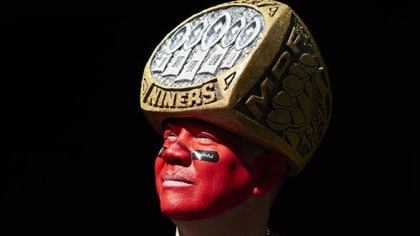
251 67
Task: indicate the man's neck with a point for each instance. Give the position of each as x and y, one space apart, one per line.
248 219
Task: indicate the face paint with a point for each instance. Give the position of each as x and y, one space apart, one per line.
199 155
162 149
202 155
208 181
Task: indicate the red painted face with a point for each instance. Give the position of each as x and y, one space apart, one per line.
199 171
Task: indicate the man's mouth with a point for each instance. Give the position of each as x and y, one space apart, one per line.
175 181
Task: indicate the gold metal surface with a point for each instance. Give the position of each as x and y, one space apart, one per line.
252 67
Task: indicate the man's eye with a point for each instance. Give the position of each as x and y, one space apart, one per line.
204 139
169 135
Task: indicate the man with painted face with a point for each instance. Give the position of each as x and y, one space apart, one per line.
242 98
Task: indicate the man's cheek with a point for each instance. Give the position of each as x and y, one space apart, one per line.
159 164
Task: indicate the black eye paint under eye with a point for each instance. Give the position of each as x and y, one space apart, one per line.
200 155
161 150
203 155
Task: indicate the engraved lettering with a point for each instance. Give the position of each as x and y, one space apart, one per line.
208 93
267 86
169 100
154 94
272 10
228 80
194 97
293 40
253 101
281 65
182 98
161 99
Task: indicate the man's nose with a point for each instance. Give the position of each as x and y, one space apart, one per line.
177 154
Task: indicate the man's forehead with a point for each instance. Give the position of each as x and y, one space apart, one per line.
195 125
187 122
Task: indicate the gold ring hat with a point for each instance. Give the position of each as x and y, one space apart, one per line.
251 67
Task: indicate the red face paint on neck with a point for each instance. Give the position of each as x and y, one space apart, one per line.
197 188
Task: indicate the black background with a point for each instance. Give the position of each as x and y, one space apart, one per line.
80 154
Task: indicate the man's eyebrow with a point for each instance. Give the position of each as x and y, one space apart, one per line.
168 125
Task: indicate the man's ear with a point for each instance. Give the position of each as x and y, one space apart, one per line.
267 170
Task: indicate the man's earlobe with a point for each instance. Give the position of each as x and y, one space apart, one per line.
267 170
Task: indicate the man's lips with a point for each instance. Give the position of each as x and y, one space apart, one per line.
175 181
